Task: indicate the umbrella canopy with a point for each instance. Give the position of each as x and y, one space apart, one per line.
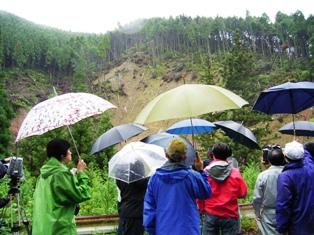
163 139
289 97
187 101
116 135
238 133
62 110
191 126
302 128
136 161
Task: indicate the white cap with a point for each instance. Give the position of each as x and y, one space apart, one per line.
294 150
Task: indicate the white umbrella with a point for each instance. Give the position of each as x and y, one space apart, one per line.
61 110
136 161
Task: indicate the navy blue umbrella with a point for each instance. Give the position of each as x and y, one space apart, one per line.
163 139
289 97
301 128
191 126
116 135
238 133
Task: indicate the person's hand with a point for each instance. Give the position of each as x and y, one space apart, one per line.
81 165
258 218
7 159
198 163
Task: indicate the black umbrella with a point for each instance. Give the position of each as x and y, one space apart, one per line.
238 133
302 128
163 139
116 135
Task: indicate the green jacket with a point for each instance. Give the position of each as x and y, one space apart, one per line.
57 193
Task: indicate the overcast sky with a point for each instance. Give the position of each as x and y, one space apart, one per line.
100 16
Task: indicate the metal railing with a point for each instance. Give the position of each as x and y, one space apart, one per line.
104 224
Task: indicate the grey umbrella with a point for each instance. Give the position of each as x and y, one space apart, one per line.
238 133
117 135
302 128
163 139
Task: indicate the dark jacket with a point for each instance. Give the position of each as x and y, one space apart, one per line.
132 198
295 199
3 170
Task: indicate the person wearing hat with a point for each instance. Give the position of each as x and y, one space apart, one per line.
170 200
295 193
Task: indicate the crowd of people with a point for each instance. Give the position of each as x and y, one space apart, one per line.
284 193
180 199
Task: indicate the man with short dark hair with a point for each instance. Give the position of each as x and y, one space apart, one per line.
265 193
58 191
221 209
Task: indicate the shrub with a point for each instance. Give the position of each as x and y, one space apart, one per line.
250 174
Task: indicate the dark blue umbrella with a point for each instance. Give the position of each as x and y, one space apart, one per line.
238 133
117 135
289 97
191 126
163 139
301 128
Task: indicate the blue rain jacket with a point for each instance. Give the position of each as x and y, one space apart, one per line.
295 199
170 200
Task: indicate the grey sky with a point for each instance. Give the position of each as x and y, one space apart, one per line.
99 16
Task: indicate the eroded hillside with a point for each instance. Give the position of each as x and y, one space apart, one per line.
133 84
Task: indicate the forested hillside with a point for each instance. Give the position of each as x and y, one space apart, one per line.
131 66
243 55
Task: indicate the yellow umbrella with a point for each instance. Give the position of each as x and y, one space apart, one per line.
188 101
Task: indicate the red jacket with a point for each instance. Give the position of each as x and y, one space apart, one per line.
227 186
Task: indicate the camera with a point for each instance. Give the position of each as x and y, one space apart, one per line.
15 168
267 149
15 173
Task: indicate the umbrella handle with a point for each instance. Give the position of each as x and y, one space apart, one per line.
192 133
77 152
79 157
293 127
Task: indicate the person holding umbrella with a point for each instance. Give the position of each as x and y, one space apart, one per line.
130 207
58 192
170 200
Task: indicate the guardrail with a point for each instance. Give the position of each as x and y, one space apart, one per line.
96 224
109 223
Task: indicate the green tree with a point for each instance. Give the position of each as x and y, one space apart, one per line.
6 114
239 64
